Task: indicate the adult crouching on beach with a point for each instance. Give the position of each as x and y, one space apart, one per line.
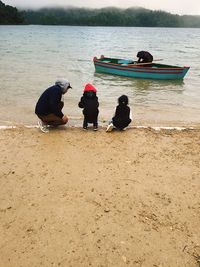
50 104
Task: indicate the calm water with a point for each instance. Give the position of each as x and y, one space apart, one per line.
32 57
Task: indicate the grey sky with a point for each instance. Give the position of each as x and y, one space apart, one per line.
181 7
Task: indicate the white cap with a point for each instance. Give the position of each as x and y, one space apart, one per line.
63 83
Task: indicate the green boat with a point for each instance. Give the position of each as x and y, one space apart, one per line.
130 68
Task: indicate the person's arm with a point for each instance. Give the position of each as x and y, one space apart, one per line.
81 103
116 112
130 114
97 102
54 102
65 119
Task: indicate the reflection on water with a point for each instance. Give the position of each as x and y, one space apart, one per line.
141 86
145 85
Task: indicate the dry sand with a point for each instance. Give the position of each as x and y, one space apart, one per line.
74 198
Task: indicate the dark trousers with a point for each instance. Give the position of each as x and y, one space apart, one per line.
121 124
85 122
52 119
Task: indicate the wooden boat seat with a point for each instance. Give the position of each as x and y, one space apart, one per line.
107 61
124 61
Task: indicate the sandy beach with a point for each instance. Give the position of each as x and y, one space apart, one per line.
72 198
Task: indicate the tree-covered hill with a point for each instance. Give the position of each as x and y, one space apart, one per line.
136 17
111 16
9 15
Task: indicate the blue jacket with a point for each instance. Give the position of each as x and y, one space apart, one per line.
49 102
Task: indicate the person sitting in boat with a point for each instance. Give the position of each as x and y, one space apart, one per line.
123 115
50 104
144 57
89 103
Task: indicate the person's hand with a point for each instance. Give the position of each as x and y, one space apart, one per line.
65 119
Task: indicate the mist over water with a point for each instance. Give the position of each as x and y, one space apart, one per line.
32 57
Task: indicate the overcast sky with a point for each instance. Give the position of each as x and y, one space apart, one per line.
181 7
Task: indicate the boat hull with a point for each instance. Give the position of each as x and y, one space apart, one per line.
156 71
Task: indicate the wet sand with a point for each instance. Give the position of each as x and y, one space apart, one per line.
75 198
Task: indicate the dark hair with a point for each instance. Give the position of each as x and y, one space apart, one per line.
123 100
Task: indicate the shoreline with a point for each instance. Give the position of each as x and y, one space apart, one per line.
71 198
104 126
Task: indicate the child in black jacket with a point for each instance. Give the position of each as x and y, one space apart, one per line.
89 103
122 117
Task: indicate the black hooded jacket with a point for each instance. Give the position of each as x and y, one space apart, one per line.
144 57
49 102
89 103
121 118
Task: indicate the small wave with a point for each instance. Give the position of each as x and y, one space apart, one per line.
83 60
181 51
192 47
156 128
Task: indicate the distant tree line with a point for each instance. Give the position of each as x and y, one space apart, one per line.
135 17
10 15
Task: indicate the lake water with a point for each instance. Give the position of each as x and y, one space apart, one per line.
32 57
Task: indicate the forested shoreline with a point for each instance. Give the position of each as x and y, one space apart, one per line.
10 15
130 17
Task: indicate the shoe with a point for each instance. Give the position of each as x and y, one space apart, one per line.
110 127
43 127
85 128
95 128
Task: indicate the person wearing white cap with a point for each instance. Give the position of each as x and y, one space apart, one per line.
49 106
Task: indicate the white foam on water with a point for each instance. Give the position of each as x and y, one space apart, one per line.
3 127
156 128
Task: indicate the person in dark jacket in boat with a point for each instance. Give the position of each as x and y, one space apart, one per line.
122 117
50 104
144 57
89 103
